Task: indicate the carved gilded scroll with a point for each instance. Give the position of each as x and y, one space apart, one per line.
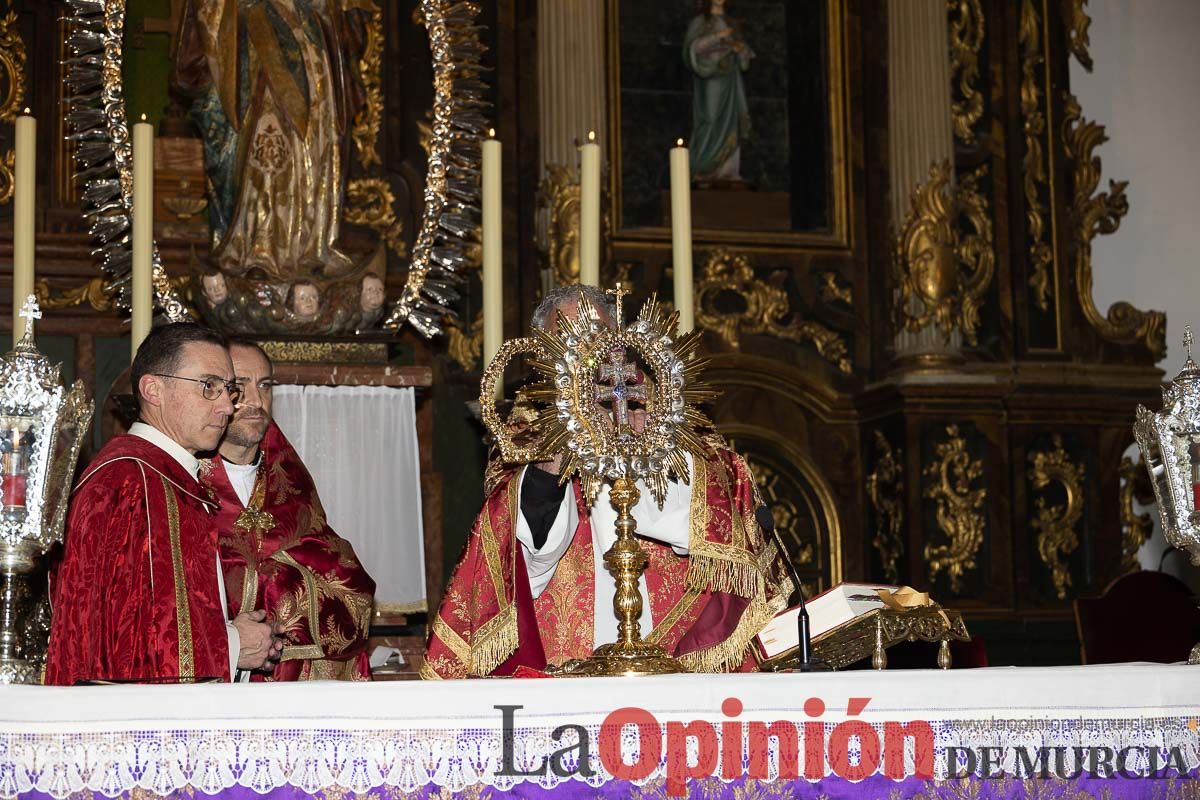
967 31
765 309
1135 528
885 489
370 70
1057 538
465 346
12 64
1094 212
952 475
1033 166
370 203
941 272
558 197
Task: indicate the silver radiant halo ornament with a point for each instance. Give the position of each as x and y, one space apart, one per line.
41 428
1170 443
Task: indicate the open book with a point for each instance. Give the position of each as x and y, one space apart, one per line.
826 611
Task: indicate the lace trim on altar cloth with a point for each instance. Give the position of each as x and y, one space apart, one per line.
382 764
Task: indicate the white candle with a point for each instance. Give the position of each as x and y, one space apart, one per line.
23 204
589 212
681 236
143 231
493 251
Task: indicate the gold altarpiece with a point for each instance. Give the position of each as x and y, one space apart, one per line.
995 480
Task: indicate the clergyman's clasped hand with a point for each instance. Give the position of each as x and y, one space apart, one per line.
262 641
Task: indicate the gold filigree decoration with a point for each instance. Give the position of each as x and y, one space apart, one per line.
1095 212
326 352
1135 528
832 291
12 59
465 347
370 70
966 39
1033 164
885 488
93 293
1078 23
942 273
558 196
1055 525
371 205
8 177
765 309
789 520
952 473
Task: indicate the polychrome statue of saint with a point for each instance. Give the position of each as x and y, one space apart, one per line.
717 55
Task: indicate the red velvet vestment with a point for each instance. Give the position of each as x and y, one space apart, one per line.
279 554
136 595
706 606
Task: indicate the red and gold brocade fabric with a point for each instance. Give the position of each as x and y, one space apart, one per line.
136 595
279 554
706 606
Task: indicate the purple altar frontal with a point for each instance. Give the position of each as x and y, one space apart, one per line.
1120 731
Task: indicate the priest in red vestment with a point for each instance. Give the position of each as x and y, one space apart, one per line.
138 596
531 589
277 550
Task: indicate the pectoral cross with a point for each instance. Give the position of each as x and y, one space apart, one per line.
30 312
614 384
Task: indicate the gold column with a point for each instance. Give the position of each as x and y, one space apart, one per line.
571 102
920 128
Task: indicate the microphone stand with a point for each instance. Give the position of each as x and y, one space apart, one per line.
766 521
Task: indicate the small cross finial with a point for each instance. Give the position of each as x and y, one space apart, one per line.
619 292
30 312
1188 340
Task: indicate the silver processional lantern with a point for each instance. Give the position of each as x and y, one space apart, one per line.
41 428
1170 444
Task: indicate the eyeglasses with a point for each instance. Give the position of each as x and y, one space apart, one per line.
211 388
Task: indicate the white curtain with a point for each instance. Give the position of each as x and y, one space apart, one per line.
360 444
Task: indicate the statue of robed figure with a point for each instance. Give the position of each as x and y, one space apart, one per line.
717 55
275 89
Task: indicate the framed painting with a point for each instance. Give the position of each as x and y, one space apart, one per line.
757 89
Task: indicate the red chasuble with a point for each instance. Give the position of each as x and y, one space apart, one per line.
706 606
279 554
136 596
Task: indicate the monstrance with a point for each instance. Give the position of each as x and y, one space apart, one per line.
586 363
1170 444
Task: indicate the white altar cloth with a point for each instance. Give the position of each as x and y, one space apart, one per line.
111 739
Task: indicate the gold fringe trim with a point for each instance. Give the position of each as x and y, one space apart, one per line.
494 642
706 573
427 673
729 654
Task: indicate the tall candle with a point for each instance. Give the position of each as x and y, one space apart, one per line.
23 203
589 212
493 254
681 236
143 231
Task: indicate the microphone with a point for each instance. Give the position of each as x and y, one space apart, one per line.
766 521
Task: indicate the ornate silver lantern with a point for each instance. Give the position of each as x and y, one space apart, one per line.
1170 443
41 428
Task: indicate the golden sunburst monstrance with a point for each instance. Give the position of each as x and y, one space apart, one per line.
583 365
586 363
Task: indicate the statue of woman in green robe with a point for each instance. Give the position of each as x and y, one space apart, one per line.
717 54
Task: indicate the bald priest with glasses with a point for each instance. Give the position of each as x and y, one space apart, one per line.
139 594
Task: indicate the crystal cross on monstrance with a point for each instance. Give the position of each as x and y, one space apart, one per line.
614 385
30 312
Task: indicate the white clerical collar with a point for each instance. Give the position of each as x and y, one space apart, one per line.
168 445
